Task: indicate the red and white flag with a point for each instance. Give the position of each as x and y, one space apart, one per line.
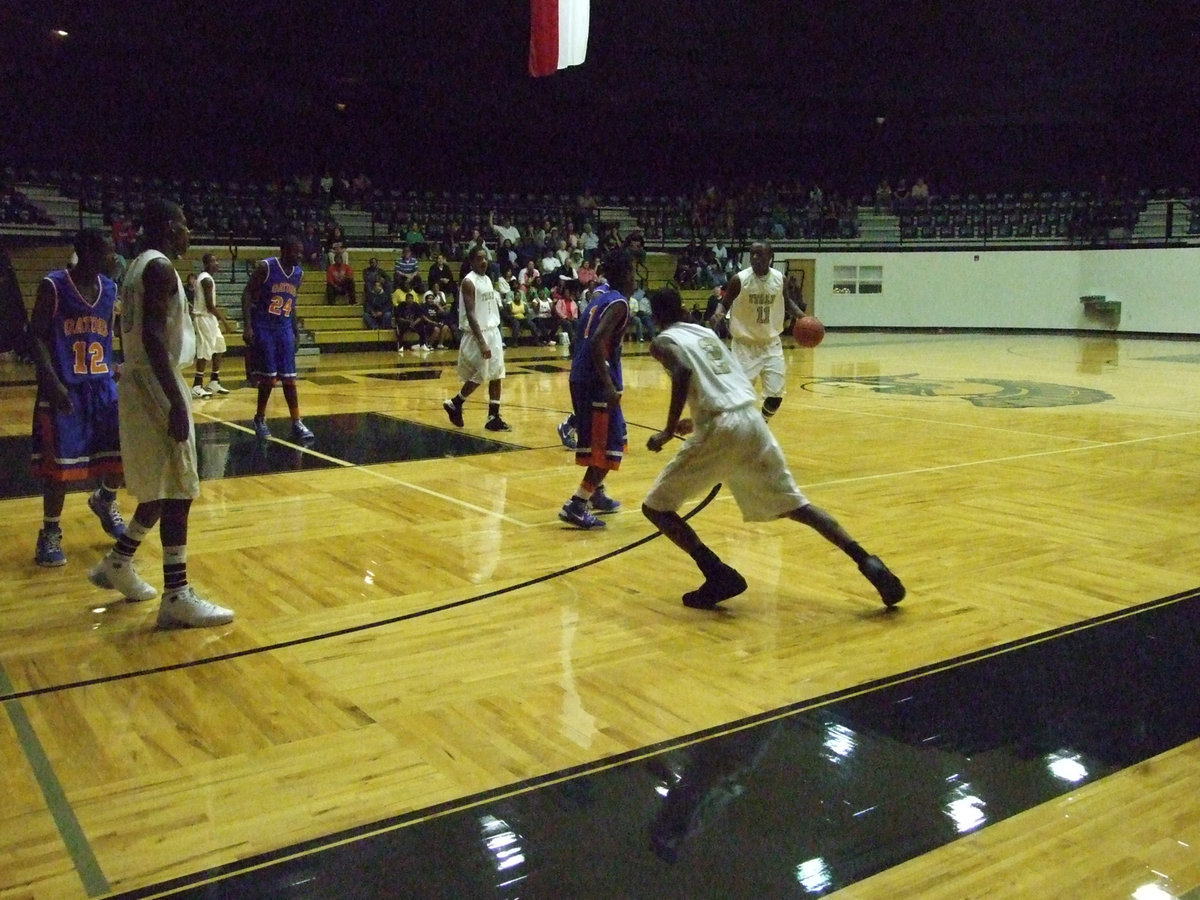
558 35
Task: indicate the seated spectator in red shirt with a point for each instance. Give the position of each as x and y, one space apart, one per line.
339 281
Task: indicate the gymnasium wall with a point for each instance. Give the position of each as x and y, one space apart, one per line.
1159 289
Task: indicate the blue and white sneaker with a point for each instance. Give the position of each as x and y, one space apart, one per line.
49 553
301 432
604 504
567 435
261 429
579 517
109 515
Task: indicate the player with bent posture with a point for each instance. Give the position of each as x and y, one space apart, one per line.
728 442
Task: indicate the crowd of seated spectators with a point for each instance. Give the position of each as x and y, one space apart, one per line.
15 208
432 222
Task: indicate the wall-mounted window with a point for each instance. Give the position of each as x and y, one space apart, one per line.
858 279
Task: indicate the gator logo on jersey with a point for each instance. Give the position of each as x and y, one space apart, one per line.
994 393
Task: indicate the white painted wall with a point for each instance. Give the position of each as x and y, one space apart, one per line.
1159 290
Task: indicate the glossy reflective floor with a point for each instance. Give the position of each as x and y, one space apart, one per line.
434 689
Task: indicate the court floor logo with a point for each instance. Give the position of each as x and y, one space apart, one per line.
994 393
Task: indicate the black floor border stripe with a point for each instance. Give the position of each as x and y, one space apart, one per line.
343 632
461 804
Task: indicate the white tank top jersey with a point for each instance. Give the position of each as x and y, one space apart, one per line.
718 383
757 313
181 335
200 307
487 303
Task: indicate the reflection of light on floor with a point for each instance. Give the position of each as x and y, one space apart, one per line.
840 741
579 725
1066 766
814 876
503 844
1152 892
965 809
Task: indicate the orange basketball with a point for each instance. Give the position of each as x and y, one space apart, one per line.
808 331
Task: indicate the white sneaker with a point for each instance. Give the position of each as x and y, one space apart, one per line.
183 609
215 387
120 575
200 393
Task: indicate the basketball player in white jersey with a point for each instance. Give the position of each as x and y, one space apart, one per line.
728 441
158 436
756 302
481 352
211 324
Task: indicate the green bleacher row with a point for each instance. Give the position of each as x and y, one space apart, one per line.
332 327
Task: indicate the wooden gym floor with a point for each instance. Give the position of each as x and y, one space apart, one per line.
433 688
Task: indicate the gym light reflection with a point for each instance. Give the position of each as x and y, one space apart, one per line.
965 809
504 845
814 875
1152 892
840 742
1066 766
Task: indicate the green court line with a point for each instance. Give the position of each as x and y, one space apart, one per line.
69 828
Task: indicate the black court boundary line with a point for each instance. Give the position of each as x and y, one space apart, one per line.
342 632
383 826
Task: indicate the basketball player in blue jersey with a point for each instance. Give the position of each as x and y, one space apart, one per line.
272 331
76 435
728 441
596 386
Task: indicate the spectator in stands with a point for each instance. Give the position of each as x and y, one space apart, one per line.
453 241
371 274
505 231
423 324
529 277
377 305
642 321
407 316
548 266
14 338
405 269
441 276
566 309
542 318
415 237
519 318
883 197
124 235
506 255
590 241
920 192
586 273
339 281
719 325
312 245
440 334
719 251
335 243
586 207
